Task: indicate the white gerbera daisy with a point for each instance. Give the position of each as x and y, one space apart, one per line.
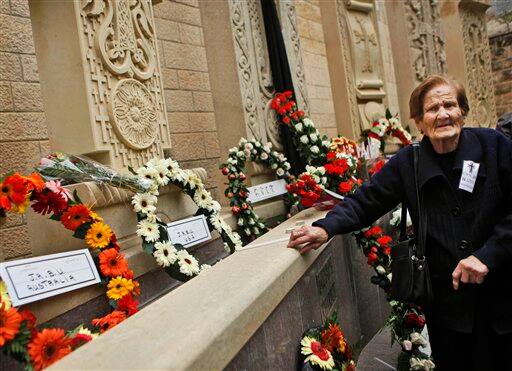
226 247
214 207
148 230
180 176
205 267
216 221
188 264
149 173
151 217
203 199
144 203
162 174
165 253
193 180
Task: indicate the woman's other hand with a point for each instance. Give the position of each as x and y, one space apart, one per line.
469 270
308 237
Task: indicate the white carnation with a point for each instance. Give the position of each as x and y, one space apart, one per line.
304 139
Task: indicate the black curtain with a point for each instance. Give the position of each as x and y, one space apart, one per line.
282 78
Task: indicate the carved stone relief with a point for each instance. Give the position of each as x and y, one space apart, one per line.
425 38
293 51
123 78
362 61
254 72
478 69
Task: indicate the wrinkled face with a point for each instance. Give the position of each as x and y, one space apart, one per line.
442 117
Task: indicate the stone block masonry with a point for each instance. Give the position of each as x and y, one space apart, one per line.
23 130
501 54
186 80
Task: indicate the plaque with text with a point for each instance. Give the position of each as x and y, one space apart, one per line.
267 190
189 232
38 278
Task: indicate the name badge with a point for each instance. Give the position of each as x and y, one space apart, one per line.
189 232
468 177
38 278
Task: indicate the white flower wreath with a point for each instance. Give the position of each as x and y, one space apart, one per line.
253 150
174 258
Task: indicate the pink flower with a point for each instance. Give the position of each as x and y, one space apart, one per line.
56 187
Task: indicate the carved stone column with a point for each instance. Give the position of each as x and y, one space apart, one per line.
418 46
350 30
100 78
468 56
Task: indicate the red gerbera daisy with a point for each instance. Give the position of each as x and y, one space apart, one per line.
75 216
128 304
13 190
49 202
47 347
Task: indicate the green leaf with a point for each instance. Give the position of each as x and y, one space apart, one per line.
81 231
76 198
148 247
130 169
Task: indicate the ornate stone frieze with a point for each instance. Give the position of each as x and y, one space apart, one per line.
425 38
254 72
478 69
123 80
293 51
362 61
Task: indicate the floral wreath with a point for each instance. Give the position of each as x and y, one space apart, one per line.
306 137
384 127
175 259
251 225
19 337
406 320
325 347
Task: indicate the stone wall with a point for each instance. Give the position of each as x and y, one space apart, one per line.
501 54
23 131
186 80
321 107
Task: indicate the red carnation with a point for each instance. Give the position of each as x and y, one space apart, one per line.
373 232
372 258
346 187
384 240
286 120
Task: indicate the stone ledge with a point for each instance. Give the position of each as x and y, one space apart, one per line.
204 323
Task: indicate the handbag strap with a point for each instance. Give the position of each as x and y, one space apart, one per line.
421 232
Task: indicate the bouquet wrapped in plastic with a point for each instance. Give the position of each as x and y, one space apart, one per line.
75 169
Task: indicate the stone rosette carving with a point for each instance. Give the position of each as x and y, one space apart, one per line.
134 114
123 80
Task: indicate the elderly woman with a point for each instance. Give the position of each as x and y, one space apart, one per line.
469 232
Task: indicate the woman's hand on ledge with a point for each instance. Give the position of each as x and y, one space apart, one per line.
307 238
469 270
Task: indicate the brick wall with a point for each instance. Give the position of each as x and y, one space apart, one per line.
187 86
23 131
501 54
309 23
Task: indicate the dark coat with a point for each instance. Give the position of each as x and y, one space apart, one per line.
460 223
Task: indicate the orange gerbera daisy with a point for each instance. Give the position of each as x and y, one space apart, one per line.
112 264
75 216
331 337
10 321
47 347
98 236
109 321
35 182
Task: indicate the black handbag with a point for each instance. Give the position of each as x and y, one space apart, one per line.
410 281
